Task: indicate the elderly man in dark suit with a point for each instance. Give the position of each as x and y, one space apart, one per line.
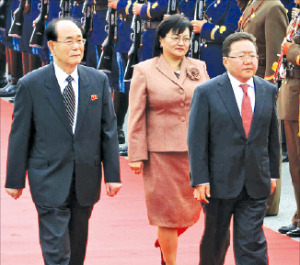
64 129
234 154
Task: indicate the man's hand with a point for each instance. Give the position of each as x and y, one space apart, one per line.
285 47
112 188
136 9
137 167
273 186
15 193
113 4
197 25
201 192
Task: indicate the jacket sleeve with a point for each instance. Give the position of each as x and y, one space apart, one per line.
124 7
154 10
198 132
276 20
137 124
19 139
293 54
109 138
218 33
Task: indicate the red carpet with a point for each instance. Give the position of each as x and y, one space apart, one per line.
119 230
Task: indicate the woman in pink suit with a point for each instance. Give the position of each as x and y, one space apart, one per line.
159 105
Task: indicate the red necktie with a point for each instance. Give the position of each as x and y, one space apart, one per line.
246 110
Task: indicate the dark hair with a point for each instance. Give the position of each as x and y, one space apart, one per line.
175 23
237 36
51 30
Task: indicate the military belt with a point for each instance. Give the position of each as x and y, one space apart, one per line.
293 73
100 7
151 24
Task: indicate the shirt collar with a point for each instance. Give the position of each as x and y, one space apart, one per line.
61 75
236 83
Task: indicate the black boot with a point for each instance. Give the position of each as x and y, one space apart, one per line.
10 89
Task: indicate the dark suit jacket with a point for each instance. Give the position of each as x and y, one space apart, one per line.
219 151
41 139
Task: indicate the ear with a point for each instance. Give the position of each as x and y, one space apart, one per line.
160 41
51 47
225 62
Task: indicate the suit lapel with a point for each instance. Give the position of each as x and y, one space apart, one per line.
166 70
259 106
83 99
226 92
55 97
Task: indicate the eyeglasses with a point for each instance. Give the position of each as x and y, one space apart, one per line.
243 57
177 39
72 42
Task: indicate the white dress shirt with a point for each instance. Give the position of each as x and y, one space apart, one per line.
239 94
61 77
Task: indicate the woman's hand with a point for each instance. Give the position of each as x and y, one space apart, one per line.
197 25
137 167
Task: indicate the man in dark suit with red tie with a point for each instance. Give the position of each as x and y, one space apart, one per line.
234 154
64 130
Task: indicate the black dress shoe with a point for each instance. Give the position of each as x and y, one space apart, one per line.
8 91
3 82
294 233
285 158
123 151
121 137
285 229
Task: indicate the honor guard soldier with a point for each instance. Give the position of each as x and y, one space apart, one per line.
151 13
267 21
220 20
14 56
289 112
4 5
119 62
22 29
97 35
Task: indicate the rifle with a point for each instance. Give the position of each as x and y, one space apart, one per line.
136 37
65 6
108 44
3 11
17 25
196 40
87 21
172 7
282 64
37 36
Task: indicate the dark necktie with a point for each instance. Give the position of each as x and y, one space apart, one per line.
69 100
247 114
